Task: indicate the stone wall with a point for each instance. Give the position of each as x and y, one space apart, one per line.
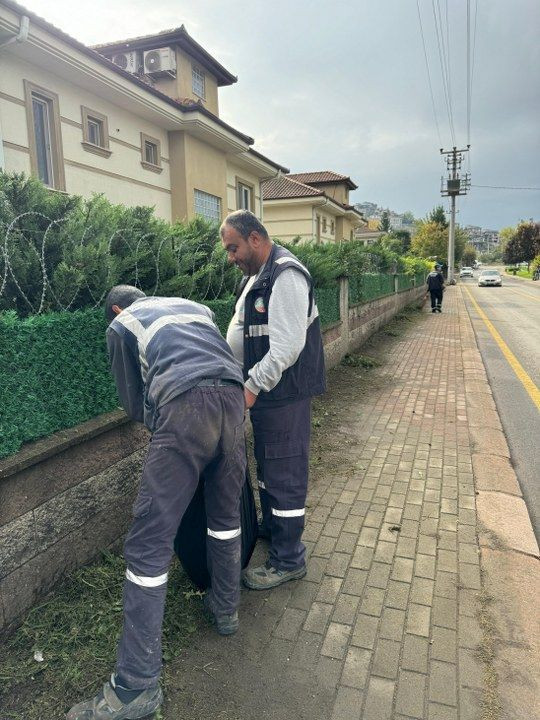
67 497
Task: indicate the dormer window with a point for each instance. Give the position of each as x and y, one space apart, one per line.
198 82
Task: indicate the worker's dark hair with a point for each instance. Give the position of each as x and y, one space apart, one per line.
123 296
244 222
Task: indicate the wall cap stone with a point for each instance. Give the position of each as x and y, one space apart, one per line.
44 448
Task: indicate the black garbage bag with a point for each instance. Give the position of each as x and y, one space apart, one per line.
190 541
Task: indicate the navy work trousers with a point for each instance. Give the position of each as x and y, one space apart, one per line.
200 432
436 298
281 436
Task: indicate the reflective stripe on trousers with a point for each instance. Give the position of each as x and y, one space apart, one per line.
281 436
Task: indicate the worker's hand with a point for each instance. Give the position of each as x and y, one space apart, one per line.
249 398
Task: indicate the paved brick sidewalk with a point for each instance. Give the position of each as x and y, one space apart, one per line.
385 623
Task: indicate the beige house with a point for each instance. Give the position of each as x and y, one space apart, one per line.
311 206
137 120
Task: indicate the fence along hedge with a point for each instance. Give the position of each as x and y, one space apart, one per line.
54 370
53 374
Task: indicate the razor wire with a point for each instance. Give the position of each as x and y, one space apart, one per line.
191 262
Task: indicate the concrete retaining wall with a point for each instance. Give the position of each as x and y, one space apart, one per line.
67 497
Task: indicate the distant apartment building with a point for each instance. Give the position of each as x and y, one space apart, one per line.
137 120
312 206
373 214
481 239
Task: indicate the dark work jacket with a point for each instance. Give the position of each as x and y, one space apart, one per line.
306 377
161 347
435 280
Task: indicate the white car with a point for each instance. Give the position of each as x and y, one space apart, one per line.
466 272
489 277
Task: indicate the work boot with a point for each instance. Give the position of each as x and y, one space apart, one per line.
108 706
267 576
225 624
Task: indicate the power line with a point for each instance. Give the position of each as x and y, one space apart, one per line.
470 69
468 72
443 73
507 187
428 74
446 54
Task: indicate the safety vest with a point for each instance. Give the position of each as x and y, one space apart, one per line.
306 377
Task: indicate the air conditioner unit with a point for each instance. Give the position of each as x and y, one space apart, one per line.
159 60
126 61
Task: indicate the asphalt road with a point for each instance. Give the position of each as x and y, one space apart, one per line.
514 310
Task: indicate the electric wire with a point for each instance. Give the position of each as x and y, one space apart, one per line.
445 89
507 187
446 54
470 70
428 75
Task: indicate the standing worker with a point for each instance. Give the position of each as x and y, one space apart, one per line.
275 333
174 372
435 283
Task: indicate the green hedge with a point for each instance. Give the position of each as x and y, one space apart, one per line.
223 310
327 299
53 374
375 286
355 290
405 282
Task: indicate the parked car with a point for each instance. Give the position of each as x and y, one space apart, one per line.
466 272
489 277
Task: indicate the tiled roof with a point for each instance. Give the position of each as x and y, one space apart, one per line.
323 176
285 187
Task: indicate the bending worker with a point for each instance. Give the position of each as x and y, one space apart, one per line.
174 372
275 333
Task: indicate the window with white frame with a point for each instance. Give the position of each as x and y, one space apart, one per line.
198 82
95 132
151 153
42 114
244 197
208 206
44 135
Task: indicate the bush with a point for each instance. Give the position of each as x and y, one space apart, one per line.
65 253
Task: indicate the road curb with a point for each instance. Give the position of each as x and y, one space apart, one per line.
509 555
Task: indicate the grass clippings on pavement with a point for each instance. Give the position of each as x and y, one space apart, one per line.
74 635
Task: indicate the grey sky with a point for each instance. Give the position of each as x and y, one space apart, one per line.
343 86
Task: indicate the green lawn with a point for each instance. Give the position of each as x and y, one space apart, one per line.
522 273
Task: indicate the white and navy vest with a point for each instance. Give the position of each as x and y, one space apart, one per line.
306 377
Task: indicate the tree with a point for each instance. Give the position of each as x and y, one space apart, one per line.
512 251
469 255
408 217
524 244
384 225
431 240
528 240
398 241
437 215
506 234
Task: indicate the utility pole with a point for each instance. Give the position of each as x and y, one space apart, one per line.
453 185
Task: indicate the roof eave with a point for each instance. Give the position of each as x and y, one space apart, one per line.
180 37
259 155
